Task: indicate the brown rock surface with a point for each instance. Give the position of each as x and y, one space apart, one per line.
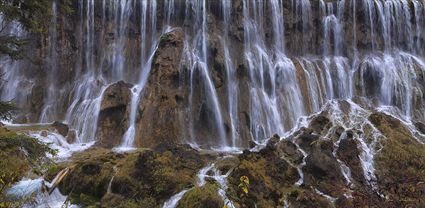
113 119
161 100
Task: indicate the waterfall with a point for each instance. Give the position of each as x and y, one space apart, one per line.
198 56
251 68
265 116
14 85
128 138
50 105
232 85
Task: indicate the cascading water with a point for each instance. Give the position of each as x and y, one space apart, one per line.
275 61
128 138
198 56
232 85
50 105
248 69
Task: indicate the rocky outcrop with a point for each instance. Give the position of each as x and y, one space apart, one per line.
400 163
114 113
61 128
333 171
144 178
202 197
162 100
321 164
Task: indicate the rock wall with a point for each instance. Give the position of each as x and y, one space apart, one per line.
283 60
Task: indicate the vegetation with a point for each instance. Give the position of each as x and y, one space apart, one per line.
400 163
6 109
199 197
34 17
244 185
19 154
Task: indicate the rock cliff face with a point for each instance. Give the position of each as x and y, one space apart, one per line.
163 99
340 83
228 73
332 160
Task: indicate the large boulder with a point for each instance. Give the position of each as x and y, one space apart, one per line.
202 197
61 128
162 100
143 178
270 179
114 113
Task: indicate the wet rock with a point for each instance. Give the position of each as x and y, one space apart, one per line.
157 175
162 99
227 163
144 178
305 139
319 123
89 178
399 164
269 175
71 137
290 151
202 197
420 127
322 170
271 144
116 95
350 155
61 128
36 103
113 119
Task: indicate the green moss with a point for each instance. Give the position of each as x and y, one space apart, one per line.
19 154
147 202
202 197
400 164
143 178
89 176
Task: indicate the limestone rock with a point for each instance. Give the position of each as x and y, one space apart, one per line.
161 100
71 137
202 197
143 178
114 113
116 95
61 128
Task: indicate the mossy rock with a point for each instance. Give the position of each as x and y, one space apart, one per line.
89 179
305 198
202 197
142 178
269 176
400 164
322 169
20 154
157 174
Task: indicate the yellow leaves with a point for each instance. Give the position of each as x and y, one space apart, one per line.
244 179
245 189
244 185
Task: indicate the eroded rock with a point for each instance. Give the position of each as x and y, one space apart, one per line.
161 100
114 113
144 178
